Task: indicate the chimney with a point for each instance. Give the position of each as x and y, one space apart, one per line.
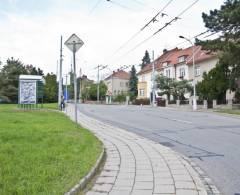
165 50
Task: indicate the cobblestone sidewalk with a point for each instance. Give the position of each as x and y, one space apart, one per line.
139 166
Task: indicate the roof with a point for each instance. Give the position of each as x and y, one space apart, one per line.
30 77
172 57
165 57
121 74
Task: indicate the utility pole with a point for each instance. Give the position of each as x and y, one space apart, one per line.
60 76
80 85
98 67
98 80
66 88
153 79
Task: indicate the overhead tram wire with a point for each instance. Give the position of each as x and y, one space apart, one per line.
119 4
146 25
166 25
95 6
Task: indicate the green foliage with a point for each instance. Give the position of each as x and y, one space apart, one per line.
92 91
50 88
146 59
226 21
120 98
169 86
133 82
214 84
9 76
43 152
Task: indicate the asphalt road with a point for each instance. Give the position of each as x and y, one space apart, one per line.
210 140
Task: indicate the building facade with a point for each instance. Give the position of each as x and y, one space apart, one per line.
176 64
117 83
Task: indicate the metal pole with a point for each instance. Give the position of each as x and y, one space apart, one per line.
153 80
66 88
98 85
194 80
60 76
75 80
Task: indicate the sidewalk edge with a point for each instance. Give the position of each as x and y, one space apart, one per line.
85 181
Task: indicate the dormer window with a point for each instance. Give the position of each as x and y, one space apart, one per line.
165 64
181 59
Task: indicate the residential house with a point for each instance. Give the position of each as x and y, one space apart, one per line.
178 64
117 83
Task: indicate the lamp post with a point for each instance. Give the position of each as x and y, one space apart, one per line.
194 83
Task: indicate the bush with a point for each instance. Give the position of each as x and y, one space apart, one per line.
145 101
120 98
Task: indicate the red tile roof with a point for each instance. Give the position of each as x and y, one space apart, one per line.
121 74
172 57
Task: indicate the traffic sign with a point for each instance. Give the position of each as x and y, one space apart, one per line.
74 43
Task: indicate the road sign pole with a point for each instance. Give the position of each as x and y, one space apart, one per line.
74 43
75 80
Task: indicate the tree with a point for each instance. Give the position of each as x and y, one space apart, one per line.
93 91
133 82
146 60
226 21
172 87
214 84
9 77
50 88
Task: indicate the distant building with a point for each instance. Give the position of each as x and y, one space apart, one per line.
177 64
117 83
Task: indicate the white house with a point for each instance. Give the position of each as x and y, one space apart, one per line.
178 64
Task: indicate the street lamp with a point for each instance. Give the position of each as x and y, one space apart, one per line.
194 83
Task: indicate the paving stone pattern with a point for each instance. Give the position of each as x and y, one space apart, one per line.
139 166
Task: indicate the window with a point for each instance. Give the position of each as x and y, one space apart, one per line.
127 84
115 92
182 72
119 91
121 84
141 92
165 64
197 71
181 59
168 73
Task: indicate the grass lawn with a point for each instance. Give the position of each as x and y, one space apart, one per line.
42 152
237 112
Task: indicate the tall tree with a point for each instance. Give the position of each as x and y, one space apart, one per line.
9 77
214 84
172 87
133 82
50 88
225 21
146 59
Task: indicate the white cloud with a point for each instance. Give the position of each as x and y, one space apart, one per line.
36 40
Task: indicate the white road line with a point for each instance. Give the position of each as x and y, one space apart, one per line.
182 121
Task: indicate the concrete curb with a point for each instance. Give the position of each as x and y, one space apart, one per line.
85 181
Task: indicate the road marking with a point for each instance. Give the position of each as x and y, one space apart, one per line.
182 121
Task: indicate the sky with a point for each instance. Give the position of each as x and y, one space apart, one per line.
31 30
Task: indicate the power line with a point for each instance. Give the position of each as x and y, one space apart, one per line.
159 30
154 19
119 4
95 6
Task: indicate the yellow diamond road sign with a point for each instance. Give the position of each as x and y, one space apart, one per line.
74 40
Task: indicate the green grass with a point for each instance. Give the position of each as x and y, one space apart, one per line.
226 111
42 152
53 106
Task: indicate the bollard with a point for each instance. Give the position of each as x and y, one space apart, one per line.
205 104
